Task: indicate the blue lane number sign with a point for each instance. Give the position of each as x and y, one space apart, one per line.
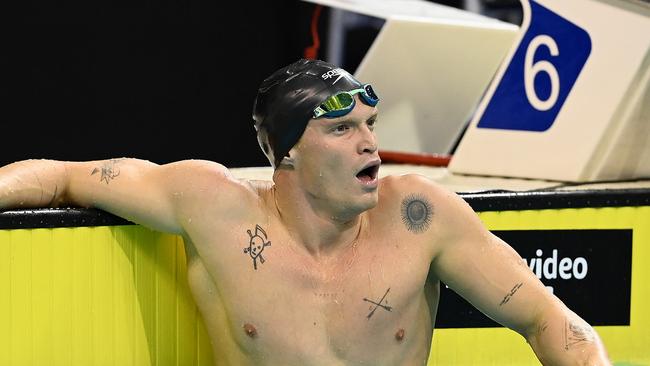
540 75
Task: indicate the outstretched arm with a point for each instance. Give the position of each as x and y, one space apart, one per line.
157 196
494 278
32 183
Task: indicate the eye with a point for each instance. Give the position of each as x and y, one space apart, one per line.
371 123
342 128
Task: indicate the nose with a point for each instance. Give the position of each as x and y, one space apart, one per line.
368 141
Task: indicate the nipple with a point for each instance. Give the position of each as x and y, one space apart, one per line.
250 330
399 336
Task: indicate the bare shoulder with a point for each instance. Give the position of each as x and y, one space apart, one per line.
203 173
412 187
210 183
197 169
425 206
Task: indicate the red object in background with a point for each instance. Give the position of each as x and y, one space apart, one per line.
397 157
311 52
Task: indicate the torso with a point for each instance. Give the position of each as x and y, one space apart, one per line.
265 301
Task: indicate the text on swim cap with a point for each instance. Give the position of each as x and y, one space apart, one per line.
332 73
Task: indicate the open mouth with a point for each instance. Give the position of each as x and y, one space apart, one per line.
369 173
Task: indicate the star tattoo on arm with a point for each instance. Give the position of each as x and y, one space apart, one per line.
109 170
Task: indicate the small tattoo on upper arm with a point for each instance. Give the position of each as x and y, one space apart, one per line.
416 213
109 170
256 245
378 304
511 293
575 333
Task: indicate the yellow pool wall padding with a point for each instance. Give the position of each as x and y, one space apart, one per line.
118 296
97 296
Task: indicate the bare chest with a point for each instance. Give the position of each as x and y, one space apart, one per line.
366 301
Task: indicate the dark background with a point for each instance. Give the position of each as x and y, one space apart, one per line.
157 80
607 282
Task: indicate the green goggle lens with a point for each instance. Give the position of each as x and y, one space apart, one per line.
337 102
343 102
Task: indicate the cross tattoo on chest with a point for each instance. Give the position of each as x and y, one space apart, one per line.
378 304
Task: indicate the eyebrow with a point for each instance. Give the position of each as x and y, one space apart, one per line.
347 120
329 123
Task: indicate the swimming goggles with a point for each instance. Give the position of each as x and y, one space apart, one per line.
342 103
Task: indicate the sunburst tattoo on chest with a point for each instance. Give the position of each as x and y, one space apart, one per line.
416 212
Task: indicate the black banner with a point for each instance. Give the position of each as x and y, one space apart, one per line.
589 270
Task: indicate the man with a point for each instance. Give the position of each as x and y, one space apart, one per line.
327 264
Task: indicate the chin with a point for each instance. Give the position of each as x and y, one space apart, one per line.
368 201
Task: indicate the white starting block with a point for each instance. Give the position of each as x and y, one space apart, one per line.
572 100
430 65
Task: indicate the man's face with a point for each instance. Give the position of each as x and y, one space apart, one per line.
338 162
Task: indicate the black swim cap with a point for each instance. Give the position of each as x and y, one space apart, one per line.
286 100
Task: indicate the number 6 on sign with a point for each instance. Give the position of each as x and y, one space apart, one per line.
539 77
531 69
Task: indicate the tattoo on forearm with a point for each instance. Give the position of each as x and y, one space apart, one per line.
378 304
576 333
256 245
109 170
511 294
416 213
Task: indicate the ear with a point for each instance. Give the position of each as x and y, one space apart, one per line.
289 160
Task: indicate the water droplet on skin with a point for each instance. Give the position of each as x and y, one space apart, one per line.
189 220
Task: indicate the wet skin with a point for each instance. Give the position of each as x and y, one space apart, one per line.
301 309
356 297
327 264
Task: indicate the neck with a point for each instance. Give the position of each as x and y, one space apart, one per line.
321 229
